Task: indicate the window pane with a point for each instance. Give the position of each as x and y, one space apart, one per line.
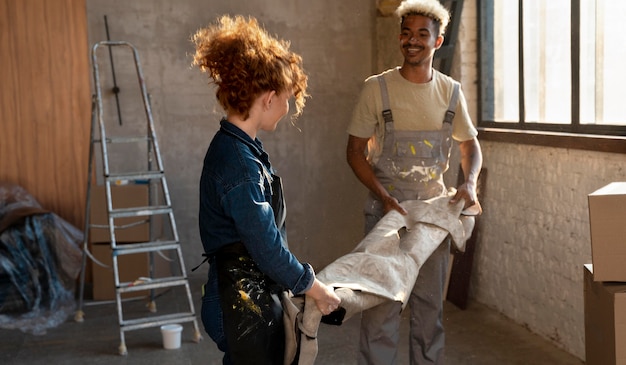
602 62
546 71
505 62
587 61
547 61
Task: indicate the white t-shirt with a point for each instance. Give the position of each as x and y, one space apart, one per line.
414 107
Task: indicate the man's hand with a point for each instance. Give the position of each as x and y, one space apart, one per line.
390 203
355 153
471 163
467 192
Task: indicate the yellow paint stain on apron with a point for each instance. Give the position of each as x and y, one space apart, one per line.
248 303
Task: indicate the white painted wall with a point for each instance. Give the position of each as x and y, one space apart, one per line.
536 238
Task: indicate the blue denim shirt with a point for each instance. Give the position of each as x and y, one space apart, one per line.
235 206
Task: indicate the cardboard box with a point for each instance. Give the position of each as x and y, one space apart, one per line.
123 196
131 267
605 320
607 219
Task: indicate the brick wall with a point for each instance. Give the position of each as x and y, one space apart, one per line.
535 228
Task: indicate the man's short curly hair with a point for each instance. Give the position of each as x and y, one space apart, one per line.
243 60
428 8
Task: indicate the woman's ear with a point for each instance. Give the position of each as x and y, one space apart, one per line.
268 97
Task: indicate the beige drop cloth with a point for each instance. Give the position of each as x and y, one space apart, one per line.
384 266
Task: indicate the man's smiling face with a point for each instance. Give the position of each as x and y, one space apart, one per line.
419 39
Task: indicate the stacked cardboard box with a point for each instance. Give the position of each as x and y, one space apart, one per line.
605 280
131 267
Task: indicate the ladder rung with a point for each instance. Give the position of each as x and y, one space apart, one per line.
140 175
122 226
140 211
126 139
155 321
131 248
152 284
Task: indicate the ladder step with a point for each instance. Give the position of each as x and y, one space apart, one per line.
156 283
131 248
126 139
155 321
140 211
121 226
137 175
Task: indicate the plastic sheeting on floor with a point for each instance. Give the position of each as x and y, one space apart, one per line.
40 259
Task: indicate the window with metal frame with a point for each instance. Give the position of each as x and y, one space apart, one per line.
553 66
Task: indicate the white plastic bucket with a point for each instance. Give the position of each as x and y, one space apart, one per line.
171 336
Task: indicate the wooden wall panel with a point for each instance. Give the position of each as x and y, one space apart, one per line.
45 102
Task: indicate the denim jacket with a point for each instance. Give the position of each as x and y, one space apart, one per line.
235 206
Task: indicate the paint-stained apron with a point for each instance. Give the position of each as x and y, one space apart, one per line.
250 301
412 163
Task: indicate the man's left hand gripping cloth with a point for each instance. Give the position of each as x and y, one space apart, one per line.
384 266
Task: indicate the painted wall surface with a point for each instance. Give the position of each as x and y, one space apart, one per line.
334 38
536 236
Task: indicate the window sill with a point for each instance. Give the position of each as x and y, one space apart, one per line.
589 142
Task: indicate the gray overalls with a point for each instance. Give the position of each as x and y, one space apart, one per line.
410 167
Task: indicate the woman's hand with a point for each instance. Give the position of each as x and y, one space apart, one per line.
325 298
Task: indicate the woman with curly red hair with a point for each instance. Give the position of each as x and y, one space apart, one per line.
242 211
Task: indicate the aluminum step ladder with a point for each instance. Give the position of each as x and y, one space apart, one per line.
157 211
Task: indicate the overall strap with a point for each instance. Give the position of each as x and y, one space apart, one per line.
452 106
388 117
386 109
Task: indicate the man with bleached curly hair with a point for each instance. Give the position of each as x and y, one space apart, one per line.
399 144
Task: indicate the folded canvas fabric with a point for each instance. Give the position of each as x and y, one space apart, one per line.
384 266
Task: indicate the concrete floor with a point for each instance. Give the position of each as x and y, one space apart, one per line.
475 336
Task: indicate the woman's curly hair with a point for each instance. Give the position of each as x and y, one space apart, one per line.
243 60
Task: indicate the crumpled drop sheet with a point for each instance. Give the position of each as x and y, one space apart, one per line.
386 263
40 259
